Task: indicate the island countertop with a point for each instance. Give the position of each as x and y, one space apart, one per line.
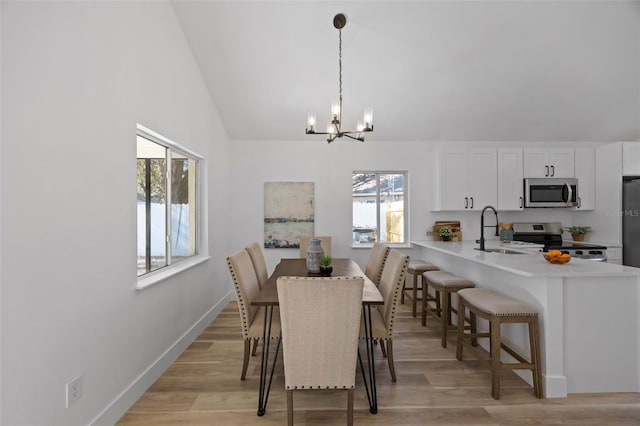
528 263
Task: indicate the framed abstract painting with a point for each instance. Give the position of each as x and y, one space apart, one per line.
288 213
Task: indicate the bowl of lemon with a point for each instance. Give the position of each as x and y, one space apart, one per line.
557 257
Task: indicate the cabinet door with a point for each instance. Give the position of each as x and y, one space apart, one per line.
483 178
536 164
510 179
585 172
561 162
454 180
631 158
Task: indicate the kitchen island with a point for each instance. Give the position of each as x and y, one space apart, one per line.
589 312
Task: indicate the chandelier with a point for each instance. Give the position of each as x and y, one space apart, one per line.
334 128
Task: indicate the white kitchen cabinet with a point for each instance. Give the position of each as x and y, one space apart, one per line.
510 179
548 162
585 172
631 158
466 179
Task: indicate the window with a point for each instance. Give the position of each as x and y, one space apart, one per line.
167 202
379 208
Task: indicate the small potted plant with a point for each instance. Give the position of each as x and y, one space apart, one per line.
325 266
577 232
445 233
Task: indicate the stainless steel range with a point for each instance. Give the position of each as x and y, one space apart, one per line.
550 236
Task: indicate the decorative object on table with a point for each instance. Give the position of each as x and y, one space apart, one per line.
445 233
315 253
557 257
325 242
288 213
325 266
334 128
453 225
505 231
577 232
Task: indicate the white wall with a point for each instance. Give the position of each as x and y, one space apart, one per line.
331 167
76 78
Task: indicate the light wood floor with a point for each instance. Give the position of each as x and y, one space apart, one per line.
203 387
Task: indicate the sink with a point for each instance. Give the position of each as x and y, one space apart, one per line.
502 251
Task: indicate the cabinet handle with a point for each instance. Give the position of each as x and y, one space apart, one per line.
471 202
466 202
553 171
521 202
546 173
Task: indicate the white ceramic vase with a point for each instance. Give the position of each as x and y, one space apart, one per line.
315 253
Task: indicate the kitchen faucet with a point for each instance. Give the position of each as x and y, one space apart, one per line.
482 225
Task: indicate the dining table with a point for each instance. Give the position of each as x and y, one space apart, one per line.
268 298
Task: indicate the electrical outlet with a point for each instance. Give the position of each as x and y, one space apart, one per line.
74 391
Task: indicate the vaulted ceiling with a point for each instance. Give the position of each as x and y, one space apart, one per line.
432 70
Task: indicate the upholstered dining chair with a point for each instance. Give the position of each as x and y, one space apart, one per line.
320 320
378 255
259 264
305 240
251 317
382 318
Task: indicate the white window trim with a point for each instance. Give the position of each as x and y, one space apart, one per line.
407 242
202 242
159 275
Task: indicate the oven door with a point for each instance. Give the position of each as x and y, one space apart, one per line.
551 192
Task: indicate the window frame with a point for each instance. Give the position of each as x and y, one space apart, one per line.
201 254
378 173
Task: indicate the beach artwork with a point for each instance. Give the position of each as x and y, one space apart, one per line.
288 213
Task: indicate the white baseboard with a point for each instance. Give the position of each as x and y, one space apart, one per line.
119 406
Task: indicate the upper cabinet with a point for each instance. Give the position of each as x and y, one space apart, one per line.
585 166
465 179
471 178
548 162
510 179
631 158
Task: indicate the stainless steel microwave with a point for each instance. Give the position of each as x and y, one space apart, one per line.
551 192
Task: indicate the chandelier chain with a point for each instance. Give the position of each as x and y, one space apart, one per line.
340 68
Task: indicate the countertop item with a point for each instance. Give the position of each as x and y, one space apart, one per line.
527 263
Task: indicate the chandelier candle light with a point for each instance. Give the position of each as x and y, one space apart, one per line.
334 129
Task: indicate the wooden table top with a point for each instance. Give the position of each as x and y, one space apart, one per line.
298 268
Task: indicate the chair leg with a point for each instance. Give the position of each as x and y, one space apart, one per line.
392 370
495 358
402 292
445 316
382 348
350 407
460 336
255 346
245 362
414 302
290 407
474 328
534 343
425 296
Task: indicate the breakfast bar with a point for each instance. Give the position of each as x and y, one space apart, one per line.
589 311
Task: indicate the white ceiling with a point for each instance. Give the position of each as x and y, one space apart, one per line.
432 70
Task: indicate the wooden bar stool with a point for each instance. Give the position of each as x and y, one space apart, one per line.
443 283
498 309
416 268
